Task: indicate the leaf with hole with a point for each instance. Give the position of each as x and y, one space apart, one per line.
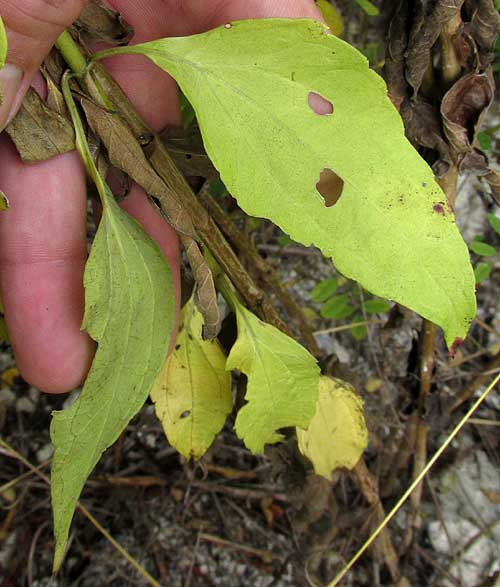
192 394
129 312
482 249
325 289
262 91
337 435
283 380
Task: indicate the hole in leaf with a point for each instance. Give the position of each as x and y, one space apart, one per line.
185 414
319 105
330 186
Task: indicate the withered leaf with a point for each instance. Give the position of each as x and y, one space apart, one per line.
394 67
39 132
187 150
493 179
125 153
99 23
206 294
485 23
423 128
463 108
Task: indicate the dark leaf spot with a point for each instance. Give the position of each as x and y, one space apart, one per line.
185 414
330 186
438 209
319 105
177 347
456 343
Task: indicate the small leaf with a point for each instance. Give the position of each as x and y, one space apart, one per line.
485 141
129 310
337 434
377 306
337 308
4 202
482 249
482 271
284 240
283 379
331 16
494 222
358 332
251 84
192 394
368 7
325 289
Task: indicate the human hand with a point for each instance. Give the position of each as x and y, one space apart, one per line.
43 235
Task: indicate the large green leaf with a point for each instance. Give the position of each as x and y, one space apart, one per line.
192 394
129 311
283 380
249 83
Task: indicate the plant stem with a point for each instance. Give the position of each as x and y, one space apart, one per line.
72 54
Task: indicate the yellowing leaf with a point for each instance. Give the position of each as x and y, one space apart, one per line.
192 394
129 309
282 383
380 215
337 434
3 44
331 16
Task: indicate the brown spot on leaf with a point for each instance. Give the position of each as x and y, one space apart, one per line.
438 209
330 186
185 414
319 105
456 343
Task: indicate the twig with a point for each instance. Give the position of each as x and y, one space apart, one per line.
479 381
12 452
265 555
351 325
265 271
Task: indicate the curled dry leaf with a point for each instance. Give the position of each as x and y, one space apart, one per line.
463 108
125 153
39 132
99 23
394 68
188 152
485 23
337 435
192 394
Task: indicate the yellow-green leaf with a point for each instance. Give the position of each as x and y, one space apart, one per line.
3 43
283 378
331 16
4 202
346 180
337 434
129 309
192 394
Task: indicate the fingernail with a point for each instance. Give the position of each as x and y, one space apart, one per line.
10 82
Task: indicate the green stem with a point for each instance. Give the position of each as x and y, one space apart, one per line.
72 54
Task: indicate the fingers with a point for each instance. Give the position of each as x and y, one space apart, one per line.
32 28
42 257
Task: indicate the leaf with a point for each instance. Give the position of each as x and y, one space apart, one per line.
482 271
4 202
358 332
250 82
485 141
39 132
3 46
494 222
377 306
331 16
282 377
368 7
325 289
99 23
192 394
129 310
482 249
337 434
337 308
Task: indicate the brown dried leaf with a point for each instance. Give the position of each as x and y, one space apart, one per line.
394 68
423 128
463 108
206 294
125 153
39 132
485 23
428 21
493 179
99 23
55 98
187 150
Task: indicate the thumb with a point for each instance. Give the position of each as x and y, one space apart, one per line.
32 28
